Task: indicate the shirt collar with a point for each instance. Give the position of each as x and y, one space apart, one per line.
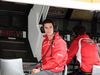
56 34
82 36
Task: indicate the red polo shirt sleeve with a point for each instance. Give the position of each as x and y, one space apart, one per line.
72 51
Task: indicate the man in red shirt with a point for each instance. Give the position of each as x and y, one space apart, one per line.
54 51
85 49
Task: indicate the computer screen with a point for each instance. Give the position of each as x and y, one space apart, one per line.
11 67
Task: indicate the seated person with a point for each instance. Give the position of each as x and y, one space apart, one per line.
54 51
85 49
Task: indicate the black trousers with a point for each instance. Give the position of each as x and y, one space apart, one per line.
79 72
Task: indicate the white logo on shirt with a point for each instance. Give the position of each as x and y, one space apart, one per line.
60 54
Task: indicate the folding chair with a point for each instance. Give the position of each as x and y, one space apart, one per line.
96 70
65 71
11 67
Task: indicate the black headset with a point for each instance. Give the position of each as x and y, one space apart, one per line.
54 26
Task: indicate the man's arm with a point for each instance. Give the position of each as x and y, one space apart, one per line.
72 51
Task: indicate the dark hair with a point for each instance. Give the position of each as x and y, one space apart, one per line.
79 29
48 21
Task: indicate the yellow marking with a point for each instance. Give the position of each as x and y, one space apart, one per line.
89 1
95 1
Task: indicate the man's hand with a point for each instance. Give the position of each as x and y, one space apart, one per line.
35 71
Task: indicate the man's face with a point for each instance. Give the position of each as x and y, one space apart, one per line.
48 28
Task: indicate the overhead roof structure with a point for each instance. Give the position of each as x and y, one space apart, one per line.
76 4
13 7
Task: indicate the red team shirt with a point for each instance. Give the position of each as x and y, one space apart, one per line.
86 52
59 57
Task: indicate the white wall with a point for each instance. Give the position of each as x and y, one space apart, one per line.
34 34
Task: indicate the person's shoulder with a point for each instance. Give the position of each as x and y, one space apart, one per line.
43 40
58 39
75 41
